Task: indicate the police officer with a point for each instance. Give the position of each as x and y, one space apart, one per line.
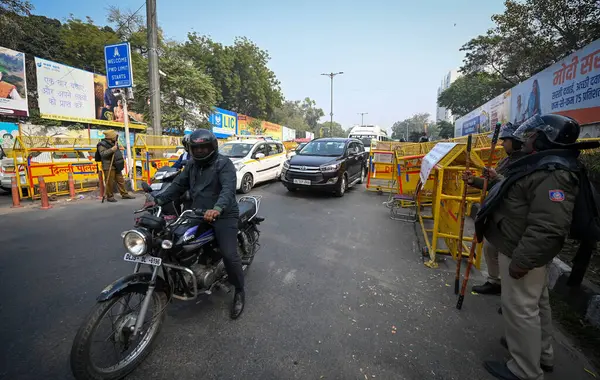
211 179
512 147
180 163
527 217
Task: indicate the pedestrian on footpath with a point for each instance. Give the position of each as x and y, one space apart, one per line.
527 216
512 147
112 165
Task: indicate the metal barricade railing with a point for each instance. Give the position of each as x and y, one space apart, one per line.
53 159
151 153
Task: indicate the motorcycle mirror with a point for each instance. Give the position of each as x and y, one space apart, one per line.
146 187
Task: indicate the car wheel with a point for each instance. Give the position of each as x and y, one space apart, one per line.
363 175
247 183
342 186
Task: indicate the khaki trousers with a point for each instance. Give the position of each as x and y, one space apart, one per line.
527 321
491 259
110 183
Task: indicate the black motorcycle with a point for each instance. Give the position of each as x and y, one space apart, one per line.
184 262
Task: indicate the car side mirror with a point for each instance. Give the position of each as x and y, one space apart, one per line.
258 156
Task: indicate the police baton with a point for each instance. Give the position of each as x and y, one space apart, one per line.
461 297
463 211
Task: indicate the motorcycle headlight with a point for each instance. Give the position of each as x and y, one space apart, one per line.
286 164
330 168
159 175
239 166
170 174
135 242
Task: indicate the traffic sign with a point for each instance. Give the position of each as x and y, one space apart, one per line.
117 59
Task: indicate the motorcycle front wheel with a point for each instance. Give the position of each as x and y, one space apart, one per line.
127 351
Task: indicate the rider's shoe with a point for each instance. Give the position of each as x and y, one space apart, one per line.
238 304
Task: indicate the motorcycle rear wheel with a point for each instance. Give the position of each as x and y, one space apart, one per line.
82 366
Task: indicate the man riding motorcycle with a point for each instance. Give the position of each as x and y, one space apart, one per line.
211 180
181 161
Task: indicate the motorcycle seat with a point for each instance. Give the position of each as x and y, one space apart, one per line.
247 210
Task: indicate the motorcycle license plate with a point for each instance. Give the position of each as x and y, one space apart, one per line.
146 259
156 186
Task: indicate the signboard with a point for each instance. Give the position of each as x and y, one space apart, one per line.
224 123
439 151
70 94
571 87
117 59
13 84
288 134
273 130
8 135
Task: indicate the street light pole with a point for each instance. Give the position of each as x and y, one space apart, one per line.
331 75
362 118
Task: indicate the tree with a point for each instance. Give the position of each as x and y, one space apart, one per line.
327 129
244 82
11 26
415 125
187 94
445 129
531 35
301 116
471 91
311 113
256 126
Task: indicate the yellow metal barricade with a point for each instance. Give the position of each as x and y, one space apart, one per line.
151 153
54 159
445 216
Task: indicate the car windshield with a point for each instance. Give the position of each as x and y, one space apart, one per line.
235 149
323 148
300 147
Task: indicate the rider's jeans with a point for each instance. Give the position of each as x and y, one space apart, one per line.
226 230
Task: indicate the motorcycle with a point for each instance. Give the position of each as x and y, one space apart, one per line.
184 262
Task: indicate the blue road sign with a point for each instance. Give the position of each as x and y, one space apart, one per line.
117 58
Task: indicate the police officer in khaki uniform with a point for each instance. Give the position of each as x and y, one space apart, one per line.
527 217
512 147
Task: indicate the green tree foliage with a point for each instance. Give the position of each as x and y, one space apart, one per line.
299 115
445 129
328 129
471 91
528 37
242 78
415 125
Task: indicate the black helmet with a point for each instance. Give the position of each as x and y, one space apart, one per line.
506 131
185 141
558 129
203 138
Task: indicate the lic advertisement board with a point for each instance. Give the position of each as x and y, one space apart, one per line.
570 87
224 123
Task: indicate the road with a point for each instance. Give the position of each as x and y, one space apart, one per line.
338 291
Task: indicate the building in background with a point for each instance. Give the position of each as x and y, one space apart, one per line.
442 113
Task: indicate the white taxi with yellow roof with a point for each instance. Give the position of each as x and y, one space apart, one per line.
256 160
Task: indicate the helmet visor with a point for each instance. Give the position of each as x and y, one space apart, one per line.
530 127
201 151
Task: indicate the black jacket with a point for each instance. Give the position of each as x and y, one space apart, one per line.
118 161
211 187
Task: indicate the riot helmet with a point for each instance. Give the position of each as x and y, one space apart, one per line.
552 130
203 146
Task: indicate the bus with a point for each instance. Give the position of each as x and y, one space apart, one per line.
368 133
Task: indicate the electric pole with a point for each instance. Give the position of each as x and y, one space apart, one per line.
362 118
153 74
331 75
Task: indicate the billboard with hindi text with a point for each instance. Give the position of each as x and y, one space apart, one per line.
70 94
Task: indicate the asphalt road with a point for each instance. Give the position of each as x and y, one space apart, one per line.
338 291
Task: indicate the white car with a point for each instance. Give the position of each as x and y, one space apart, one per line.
255 161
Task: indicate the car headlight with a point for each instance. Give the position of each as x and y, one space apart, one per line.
239 166
286 164
135 242
330 168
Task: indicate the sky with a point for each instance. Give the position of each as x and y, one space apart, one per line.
394 53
